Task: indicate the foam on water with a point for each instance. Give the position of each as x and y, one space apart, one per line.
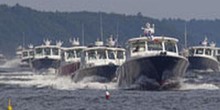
11 63
96 85
187 86
204 71
30 79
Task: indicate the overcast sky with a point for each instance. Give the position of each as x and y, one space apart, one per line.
184 9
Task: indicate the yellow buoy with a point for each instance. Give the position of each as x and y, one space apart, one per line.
9 105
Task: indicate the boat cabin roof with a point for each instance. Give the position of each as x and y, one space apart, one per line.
27 50
73 48
204 47
47 46
152 38
104 47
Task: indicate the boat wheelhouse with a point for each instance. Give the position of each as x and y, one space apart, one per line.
100 62
47 56
153 62
27 56
159 45
71 58
19 52
204 57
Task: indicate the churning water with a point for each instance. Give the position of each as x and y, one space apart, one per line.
31 91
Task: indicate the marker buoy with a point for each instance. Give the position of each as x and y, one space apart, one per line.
9 105
107 94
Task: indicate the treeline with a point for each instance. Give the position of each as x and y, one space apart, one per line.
21 25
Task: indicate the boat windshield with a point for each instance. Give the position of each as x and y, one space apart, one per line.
101 54
70 54
120 55
31 53
170 46
154 45
91 54
218 52
111 54
39 51
199 51
208 51
25 54
47 51
138 46
78 52
55 51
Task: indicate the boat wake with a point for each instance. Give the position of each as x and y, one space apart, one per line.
187 86
201 71
201 80
11 63
50 80
192 81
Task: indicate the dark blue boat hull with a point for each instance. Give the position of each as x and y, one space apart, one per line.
105 73
152 73
203 63
45 63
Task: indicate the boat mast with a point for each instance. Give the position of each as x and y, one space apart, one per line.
117 33
23 40
83 35
101 28
185 36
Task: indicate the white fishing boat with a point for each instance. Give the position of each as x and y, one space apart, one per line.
71 58
27 55
47 56
100 62
204 57
153 62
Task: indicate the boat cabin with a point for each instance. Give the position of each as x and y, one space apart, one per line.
200 50
148 44
48 50
72 54
204 49
152 46
27 54
102 55
19 52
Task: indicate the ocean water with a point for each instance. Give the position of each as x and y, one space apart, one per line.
30 91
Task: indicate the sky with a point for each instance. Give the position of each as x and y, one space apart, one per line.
159 9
